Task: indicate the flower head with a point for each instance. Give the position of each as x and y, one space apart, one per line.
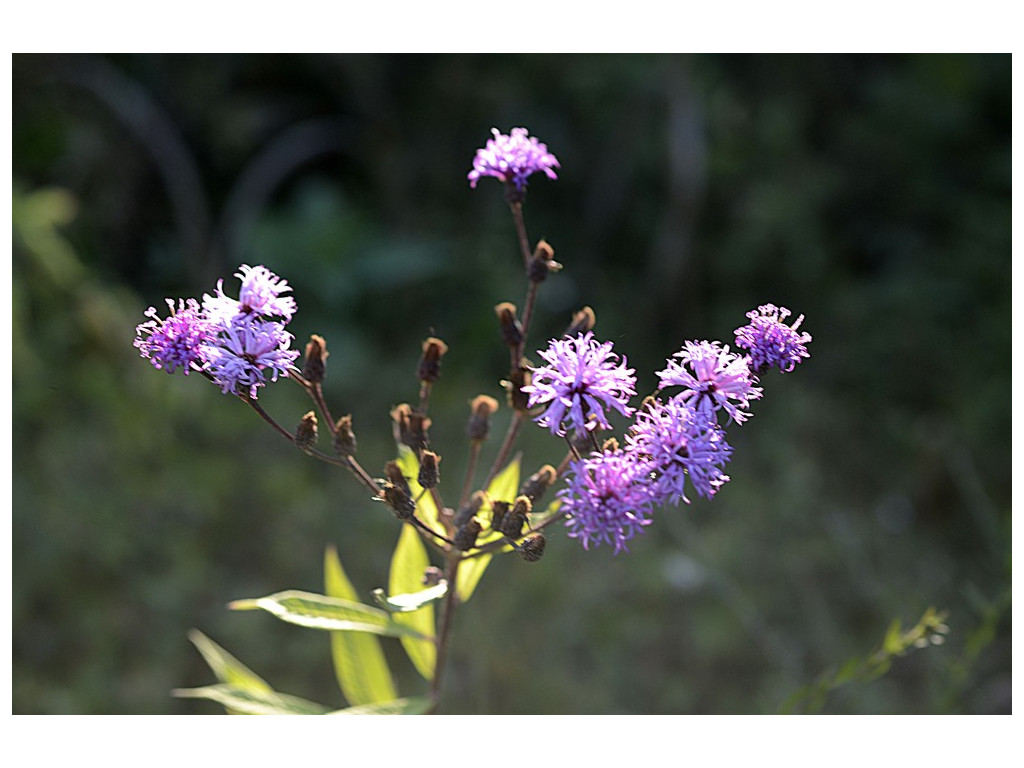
770 342
582 378
607 499
713 379
259 295
511 159
246 352
680 442
177 340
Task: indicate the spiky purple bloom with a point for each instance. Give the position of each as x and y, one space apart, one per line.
680 442
770 342
511 159
177 340
259 295
248 351
607 499
582 378
713 378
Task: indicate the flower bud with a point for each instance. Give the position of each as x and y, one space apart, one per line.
430 474
582 322
518 379
532 547
514 520
479 425
470 508
315 367
498 511
399 500
538 483
393 472
430 362
465 537
511 328
344 437
306 433
410 427
543 261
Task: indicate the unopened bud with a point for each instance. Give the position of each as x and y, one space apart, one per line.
543 261
410 427
518 379
344 437
316 360
538 483
532 547
511 328
306 433
399 500
498 511
465 537
514 520
470 508
430 362
393 472
479 425
582 322
430 474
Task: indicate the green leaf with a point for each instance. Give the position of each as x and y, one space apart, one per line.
408 564
410 601
893 642
503 487
226 667
409 706
329 613
359 662
250 702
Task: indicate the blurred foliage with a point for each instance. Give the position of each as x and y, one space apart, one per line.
871 193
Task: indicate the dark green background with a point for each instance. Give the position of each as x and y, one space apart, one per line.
871 193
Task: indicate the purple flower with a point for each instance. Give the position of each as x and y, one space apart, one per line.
770 342
713 379
583 378
607 499
260 295
246 352
177 341
512 159
680 442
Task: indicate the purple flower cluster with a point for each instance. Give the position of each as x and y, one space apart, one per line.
237 343
673 444
511 159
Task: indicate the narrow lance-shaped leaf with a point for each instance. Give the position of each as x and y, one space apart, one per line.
417 705
226 667
250 702
328 613
410 601
359 662
408 564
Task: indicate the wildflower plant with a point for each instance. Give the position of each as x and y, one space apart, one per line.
605 491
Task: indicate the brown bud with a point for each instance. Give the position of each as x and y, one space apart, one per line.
511 328
430 473
532 547
316 360
543 261
538 483
518 379
399 500
430 362
514 520
498 511
582 322
393 472
470 508
306 433
344 437
465 537
410 427
481 407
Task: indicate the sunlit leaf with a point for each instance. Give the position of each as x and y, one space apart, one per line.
329 613
226 667
359 662
410 601
503 487
408 565
408 706
250 702
426 509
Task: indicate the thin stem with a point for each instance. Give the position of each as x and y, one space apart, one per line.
531 299
524 241
450 603
474 454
